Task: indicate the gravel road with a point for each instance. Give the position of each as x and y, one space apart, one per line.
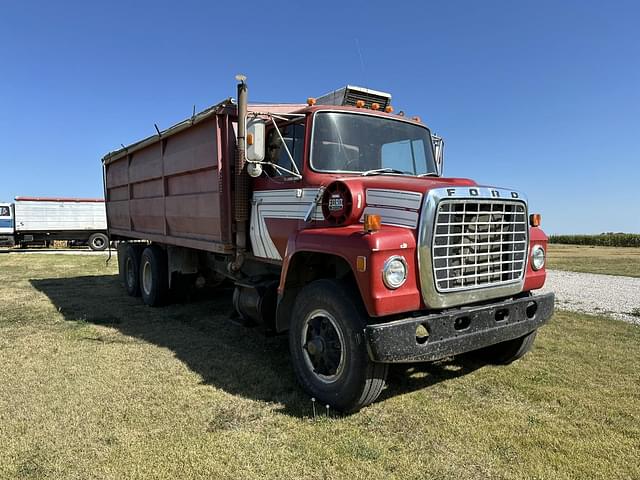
618 297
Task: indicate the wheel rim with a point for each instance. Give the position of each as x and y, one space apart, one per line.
146 278
98 242
131 276
323 346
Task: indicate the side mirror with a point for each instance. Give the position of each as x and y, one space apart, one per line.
255 140
438 148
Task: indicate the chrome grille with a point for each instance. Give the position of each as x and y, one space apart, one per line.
479 243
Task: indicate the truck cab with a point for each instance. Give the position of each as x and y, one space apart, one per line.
353 198
6 225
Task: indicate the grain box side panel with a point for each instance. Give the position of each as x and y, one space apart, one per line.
193 207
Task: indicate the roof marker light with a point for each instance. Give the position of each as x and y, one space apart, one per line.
311 101
388 109
359 103
375 106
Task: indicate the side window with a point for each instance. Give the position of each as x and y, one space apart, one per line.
4 212
293 135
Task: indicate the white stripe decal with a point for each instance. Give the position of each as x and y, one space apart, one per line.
290 204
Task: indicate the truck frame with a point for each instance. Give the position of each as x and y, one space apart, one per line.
336 225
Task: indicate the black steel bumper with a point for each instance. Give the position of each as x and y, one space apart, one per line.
457 331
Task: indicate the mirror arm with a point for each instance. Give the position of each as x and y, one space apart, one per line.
277 167
284 144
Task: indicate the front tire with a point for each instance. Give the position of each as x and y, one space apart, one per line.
328 348
507 352
154 277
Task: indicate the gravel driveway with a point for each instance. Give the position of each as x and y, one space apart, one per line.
615 296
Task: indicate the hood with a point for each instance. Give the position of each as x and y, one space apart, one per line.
405 183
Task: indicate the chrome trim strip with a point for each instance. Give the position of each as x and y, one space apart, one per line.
393 216
434 299
393 198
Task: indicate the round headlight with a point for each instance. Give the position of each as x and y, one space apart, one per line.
537 257
394 272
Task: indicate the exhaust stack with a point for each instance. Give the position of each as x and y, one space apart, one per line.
241 197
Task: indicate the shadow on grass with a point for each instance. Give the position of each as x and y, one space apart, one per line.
239 360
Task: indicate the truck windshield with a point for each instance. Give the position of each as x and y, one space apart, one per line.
367 144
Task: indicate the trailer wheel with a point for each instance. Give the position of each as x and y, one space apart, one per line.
98 242
130 272
154 279
328 348
507 352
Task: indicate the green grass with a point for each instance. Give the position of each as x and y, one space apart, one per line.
95 385
608 260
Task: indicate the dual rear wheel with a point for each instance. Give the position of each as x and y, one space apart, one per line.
144 273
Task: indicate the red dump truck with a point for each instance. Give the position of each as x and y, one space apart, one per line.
335 223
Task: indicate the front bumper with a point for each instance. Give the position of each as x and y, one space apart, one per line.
458 330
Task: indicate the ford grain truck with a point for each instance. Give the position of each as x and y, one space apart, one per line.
335 223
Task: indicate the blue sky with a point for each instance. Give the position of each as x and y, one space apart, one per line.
540 96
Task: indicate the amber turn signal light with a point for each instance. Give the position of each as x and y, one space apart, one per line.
359 103
249 138
535 219
372 222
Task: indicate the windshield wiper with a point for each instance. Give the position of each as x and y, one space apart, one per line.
428 174
378 171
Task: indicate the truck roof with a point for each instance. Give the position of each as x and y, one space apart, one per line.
59 199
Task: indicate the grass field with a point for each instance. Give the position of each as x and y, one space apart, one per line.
608 260
95 385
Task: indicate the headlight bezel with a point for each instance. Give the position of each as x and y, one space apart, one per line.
537 262
386 270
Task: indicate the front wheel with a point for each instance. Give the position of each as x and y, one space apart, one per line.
328 348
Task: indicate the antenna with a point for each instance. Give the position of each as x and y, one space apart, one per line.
361 60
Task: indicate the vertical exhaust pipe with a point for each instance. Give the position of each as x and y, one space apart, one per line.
241 197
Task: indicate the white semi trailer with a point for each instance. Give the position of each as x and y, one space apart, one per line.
35 220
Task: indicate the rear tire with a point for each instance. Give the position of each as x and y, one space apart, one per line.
154 279
98 242
507 352
130 270
328 348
